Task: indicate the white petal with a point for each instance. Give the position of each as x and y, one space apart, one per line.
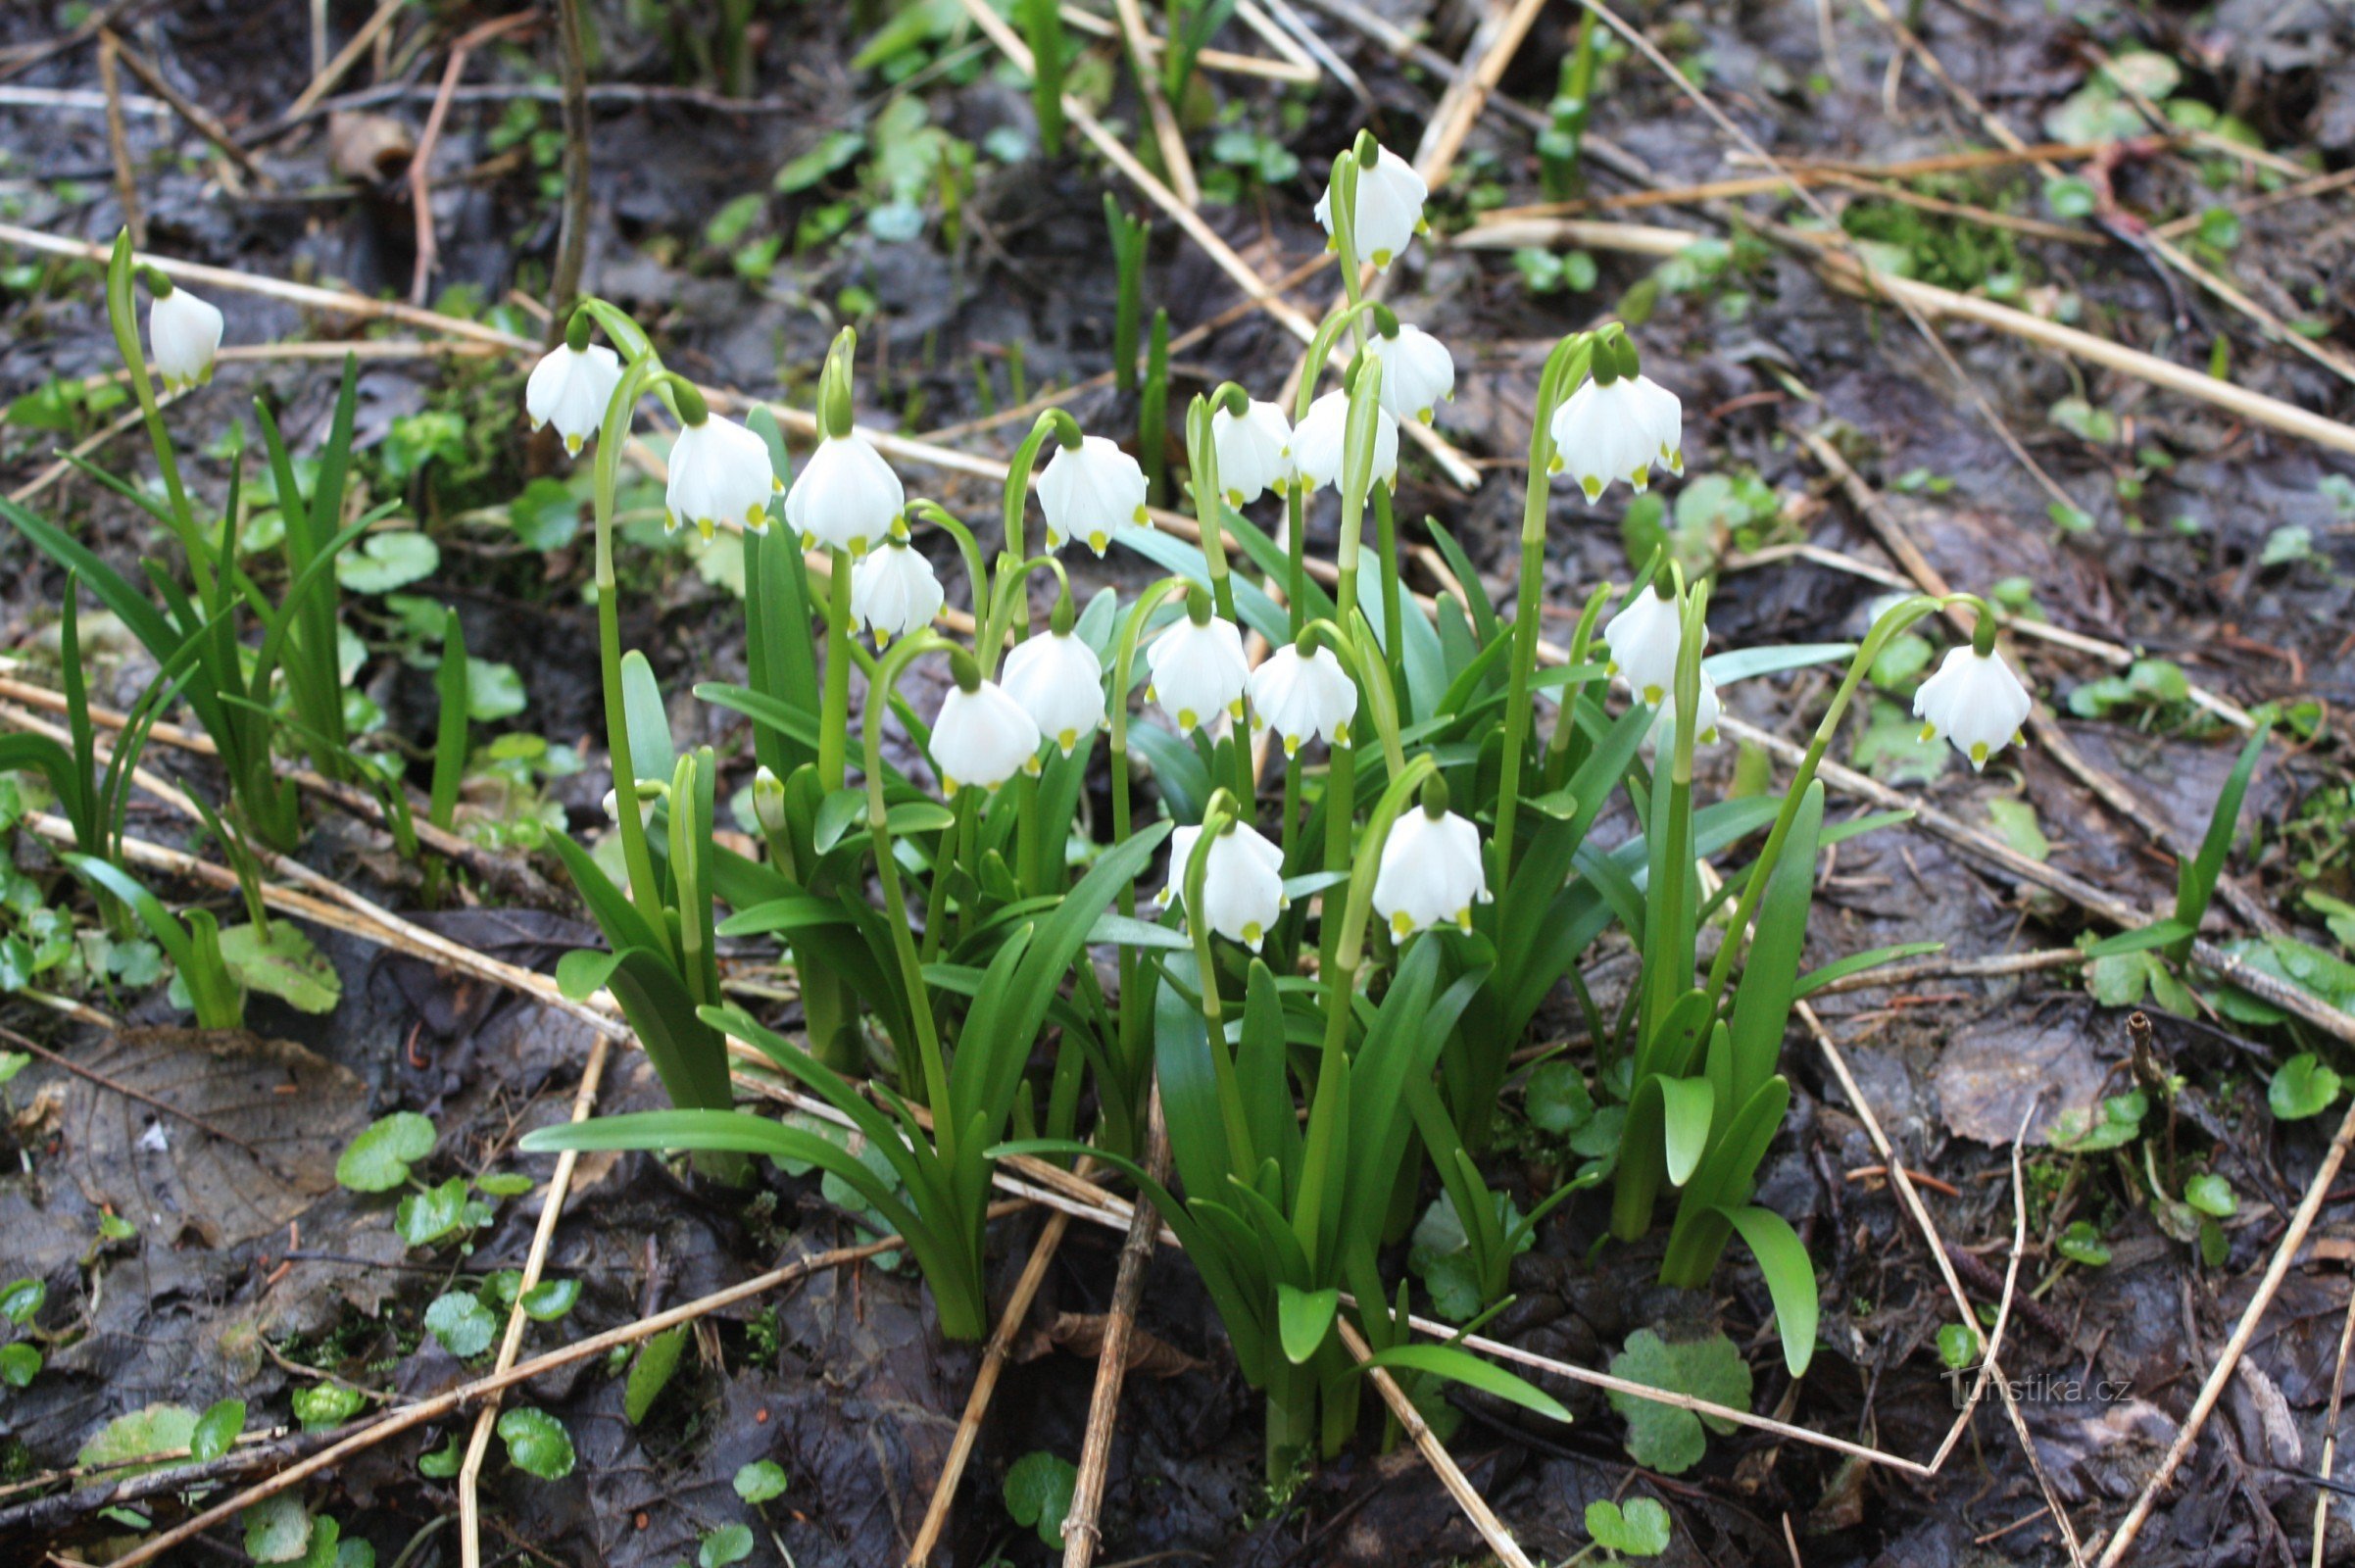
719 472
1255 452
184 333
982 738
1058 681
1317 446
1644 640
894 591
1089 491
846 496
1198 672
1417 372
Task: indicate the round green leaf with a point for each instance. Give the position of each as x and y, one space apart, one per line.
503 1184
19 1364
729 1543
1038 1492
423 1218
463 1325
378 1159
536 1443
760 1481
278 1529
216 1430
2212 1194
326 1404
22 1300
2080 1242
550 1300
2303 1088
156 1428
383 561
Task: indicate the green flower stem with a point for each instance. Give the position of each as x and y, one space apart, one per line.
1341 813
1349 949
1016 495
834 709
1386 546
1221 811
611 437
945 860
976 576
1124 675
1356 479
894 903
1209 505
1359 649
1566 366
1342 207
1893 621
121 307
1008 618
1566 724
1320 352
1296 554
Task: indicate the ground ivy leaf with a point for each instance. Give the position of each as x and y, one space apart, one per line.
1557 1098
2303 1088
760 1481
278 1529
326 1404
463 1325
1666 1438
19 1364
22 1300
1038 1492
536 1443
157 1429
550 1300
378 1159
1640 1529
729 1543
285 965
383 561
423 1218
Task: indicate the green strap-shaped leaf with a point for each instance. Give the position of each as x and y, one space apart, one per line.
1303 1318
1462 1366
1789 1279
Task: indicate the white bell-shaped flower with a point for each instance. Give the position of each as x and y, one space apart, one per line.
846 496
1089 490
1644 640
718 472
1663 417
1303 694
1388 211
1431 872
1418 373
184 333
1255 452
894 591
1197 672
1705 712
569 389
981 738
1059 682
1242 881
1317 445
651 792
1605 432
1974 701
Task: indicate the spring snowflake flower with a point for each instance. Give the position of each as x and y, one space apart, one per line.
1255 452
894 592
1418 373
1316 446
1242 881
569 389
184 332
846 496
651 792
1430 871
1388 211
719 470
1705 712
1644 640
1617 429
1089 490
982 737
1974 701
1058 681
1199 672
1300 695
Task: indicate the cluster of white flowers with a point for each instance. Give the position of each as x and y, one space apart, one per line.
1615 425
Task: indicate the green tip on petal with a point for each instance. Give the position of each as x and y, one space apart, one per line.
1402 925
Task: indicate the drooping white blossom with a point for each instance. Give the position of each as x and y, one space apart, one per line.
1974 701
1418 373
1197 672
1089 490
1317 446
1058 681
569 389
846 496
1602 432
981 738
1242 881
1388 211
1255 452
894 591
719 473
1431 872
184 333
1303 694
1706 711
1644 639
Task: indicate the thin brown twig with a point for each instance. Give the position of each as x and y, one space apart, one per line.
323 83
552 1208
2277 1269
1475 1507
420 162
1165 132
129 1092
2339 1388
1081 1532
199 119
117 138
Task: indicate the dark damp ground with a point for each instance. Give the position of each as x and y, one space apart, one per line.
743 235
